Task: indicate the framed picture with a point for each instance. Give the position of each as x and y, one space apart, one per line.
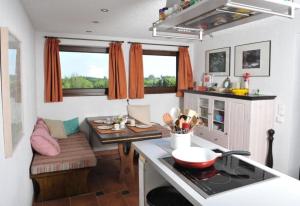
217 62
253 58
12 104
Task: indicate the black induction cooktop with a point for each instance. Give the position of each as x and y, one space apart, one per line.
226 174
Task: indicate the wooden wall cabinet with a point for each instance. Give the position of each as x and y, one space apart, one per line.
233 122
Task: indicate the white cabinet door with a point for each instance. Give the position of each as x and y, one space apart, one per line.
239 124
219 121
204 111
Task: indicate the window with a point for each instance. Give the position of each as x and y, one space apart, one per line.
160 71
84 70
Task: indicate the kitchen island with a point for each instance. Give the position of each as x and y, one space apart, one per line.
281 190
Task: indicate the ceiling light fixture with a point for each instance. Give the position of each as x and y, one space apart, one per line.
104 10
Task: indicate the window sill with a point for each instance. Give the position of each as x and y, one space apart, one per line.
84 92
104 92
160 90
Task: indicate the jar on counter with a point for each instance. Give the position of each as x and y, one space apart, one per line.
192 2
162 13
185 4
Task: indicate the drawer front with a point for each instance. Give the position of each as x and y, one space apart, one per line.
202 132
221 140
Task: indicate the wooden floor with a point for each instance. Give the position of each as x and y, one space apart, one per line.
105 187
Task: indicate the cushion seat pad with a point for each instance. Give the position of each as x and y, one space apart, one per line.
75 153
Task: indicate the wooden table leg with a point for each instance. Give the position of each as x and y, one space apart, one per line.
131 161
126 161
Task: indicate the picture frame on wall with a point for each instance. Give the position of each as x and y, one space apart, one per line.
217 61
12 103
253 58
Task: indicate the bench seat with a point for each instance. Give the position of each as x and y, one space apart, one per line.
65 174
75 153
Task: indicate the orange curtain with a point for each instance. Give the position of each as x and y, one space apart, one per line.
136 72
185 73
117 87
53 82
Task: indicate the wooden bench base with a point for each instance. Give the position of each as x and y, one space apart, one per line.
54 185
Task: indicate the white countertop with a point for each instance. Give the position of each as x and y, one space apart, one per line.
280 191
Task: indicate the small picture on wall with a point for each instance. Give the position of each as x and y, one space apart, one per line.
253 58
217 61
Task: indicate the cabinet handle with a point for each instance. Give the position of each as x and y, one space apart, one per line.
200 133
216 139
226 133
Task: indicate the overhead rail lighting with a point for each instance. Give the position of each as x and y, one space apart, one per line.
209 16
291 12
198 36
232 12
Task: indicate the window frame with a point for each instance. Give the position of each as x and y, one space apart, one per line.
161 90
84 91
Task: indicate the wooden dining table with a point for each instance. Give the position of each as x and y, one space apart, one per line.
123 138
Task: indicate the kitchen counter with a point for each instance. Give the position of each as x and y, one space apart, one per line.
278 191
229 95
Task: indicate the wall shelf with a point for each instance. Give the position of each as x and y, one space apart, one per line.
203 18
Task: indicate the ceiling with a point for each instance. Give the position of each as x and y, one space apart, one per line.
125 18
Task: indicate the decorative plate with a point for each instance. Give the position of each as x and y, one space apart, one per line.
105 127
143 126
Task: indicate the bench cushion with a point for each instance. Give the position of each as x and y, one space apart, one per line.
75 153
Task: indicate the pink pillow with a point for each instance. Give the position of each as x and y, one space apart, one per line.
43 143
41 123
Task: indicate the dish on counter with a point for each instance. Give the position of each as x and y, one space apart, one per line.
103 127
143 126
114 129
240 92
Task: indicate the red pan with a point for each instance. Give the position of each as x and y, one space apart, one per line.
197 157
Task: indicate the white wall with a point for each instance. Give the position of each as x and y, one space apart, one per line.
282 33
89 106
294 163
15 184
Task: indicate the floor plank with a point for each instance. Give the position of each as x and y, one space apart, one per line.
132 199
84 200
58 202
112 199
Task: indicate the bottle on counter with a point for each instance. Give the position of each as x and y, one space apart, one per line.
161 14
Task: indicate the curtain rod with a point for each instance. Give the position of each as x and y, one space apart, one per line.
157 44
84 39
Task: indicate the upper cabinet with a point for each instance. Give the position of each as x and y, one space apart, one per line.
203 17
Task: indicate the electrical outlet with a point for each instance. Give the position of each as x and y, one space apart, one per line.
281 110
280 119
